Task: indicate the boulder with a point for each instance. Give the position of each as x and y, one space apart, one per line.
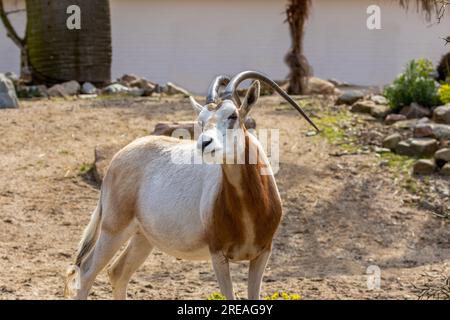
380 111
126 79
71 88
8 97
404 148
349 97
379 100
405 124
417 147
391 141
393 118
320 86
415 111
57 91
442 156
148 86
174 89
423 166
423 131
440 131
168 128
116 88
103 155
88 88
424 147
445 170
364 106
442 114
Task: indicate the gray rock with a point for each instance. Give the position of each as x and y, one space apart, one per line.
174 89
320 86
405 124
424 147
415 111
424 166
8 97
442 114
71 88
57 91
379 100
88 88
417 147
364 106
116 88
126 79
404 148
440 131
380 111
442 156
424 120
103 155
445 170
393 118
148 86
391 141
349 97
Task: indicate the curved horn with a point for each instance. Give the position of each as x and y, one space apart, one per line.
231 93
213 91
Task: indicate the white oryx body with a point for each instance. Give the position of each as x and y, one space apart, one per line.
155 193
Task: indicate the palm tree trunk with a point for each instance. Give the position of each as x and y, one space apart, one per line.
58 54
296 16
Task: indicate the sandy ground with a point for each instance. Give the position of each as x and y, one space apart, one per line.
341 214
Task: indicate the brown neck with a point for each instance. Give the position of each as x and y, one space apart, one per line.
246 196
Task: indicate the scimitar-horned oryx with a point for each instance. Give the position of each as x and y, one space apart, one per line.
219 211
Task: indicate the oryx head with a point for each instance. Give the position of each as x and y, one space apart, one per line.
222 118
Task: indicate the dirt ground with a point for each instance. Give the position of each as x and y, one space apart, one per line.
341 214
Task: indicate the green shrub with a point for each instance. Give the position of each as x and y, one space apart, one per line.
415 84
444 93
216 296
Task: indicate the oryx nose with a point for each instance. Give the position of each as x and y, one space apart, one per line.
206 142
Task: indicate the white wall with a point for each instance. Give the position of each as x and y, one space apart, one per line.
339 45
190 41
9 53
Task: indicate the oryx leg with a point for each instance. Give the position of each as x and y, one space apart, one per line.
255 274
127 263
222 270
106 246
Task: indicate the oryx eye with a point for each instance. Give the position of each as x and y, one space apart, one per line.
233 117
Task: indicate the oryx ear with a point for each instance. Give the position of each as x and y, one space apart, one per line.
250 99
197 106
